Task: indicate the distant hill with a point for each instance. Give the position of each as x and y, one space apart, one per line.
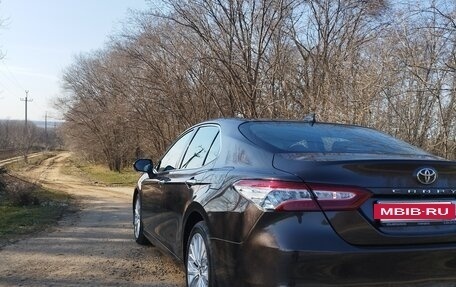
50 124
40 124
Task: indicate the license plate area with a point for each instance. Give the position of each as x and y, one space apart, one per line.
415 213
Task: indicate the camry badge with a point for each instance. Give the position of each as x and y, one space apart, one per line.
426 175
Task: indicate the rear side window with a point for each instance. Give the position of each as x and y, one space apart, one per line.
199 147
324 138
214 150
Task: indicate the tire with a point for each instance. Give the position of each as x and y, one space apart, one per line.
198 260
138 227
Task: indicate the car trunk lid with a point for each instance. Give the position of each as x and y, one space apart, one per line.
390 179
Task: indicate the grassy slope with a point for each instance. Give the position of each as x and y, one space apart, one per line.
17 220
100 174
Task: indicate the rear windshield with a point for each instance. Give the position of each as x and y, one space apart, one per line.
303 137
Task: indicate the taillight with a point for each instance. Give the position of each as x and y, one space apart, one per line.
334 197
277 195
295 196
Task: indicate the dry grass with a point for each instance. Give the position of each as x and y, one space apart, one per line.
100 174
26 208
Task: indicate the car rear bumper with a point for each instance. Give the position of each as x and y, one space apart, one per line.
287 252
273 267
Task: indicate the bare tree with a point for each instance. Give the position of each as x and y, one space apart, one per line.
386 65
94 111
235 40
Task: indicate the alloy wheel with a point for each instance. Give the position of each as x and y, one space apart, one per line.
197 262
137 222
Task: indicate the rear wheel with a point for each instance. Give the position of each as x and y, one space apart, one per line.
198 260
137 223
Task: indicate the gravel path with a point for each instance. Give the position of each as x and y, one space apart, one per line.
92 247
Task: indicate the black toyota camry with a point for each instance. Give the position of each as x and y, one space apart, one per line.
299 203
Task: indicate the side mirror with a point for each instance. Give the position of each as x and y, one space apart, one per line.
144 165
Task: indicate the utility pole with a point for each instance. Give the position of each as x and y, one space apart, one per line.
26 100
46 130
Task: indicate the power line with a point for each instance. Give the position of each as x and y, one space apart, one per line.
12 80
7 89
11 77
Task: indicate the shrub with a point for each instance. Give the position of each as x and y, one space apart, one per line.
17 192
2 178
22 194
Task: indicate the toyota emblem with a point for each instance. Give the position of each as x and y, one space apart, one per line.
426 175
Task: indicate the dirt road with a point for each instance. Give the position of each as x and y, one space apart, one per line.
18 158
92 247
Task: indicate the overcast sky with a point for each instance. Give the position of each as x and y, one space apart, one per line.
40 38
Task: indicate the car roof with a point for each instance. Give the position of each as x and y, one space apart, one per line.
224 122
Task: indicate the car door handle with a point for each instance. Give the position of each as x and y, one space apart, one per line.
191 181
